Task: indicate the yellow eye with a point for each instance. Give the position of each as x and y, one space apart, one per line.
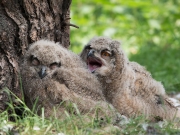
105 53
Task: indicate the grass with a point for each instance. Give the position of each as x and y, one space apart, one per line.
150 34
30 123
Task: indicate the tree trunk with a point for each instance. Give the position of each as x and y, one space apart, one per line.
21 23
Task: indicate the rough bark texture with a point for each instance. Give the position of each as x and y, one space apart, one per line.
21 23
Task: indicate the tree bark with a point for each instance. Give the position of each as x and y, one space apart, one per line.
21 23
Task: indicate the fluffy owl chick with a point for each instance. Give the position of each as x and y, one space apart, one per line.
53 75
127 85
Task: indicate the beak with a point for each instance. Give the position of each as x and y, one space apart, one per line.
42 73
91 53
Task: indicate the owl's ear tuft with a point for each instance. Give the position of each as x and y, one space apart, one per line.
115 44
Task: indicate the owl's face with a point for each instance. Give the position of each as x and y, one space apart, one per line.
43 60
99 55
41 68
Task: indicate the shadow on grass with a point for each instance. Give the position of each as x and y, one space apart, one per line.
163 62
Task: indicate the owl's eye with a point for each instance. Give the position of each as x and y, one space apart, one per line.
54 65
35 61
105 53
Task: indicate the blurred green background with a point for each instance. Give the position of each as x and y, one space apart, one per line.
148 29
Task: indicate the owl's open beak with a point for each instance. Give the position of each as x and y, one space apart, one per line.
42 73
93 62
